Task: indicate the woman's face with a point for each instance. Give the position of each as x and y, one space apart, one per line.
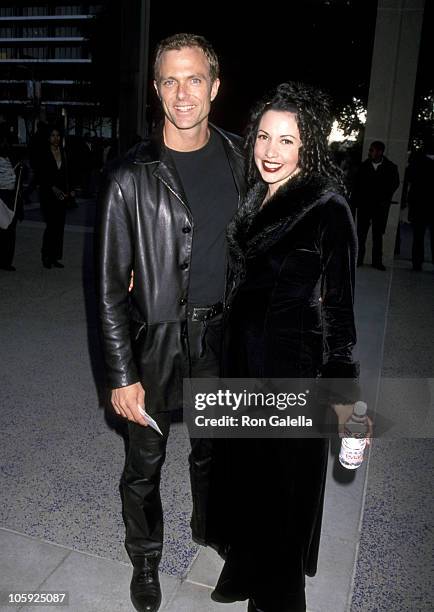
55 138
276 148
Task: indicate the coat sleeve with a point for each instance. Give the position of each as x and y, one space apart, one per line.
114 255
43 170
356 198
394 180
338 246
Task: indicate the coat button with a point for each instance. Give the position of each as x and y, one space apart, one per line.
183 301
184 266
186 229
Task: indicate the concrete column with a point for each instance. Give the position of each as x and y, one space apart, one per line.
391 92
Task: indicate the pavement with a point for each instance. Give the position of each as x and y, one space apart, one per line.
62 454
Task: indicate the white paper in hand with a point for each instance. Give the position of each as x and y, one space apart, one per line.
150 420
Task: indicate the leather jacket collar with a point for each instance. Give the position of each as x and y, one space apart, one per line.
153 151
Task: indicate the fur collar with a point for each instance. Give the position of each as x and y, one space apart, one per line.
254 229
291 202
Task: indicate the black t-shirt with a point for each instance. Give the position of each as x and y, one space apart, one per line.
212 196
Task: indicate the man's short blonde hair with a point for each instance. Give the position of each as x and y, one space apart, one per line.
181 41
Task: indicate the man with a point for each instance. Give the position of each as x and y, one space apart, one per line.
374 185
421 202
163 214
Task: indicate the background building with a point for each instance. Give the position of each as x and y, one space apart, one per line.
50 68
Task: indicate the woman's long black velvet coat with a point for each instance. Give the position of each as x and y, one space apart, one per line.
291 316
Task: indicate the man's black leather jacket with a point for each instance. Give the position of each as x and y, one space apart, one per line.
145 225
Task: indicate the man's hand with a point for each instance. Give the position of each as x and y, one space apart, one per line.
126 402
344 412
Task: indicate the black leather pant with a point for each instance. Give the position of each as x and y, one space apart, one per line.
140 483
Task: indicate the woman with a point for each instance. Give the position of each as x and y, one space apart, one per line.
292 253
9 190
54 194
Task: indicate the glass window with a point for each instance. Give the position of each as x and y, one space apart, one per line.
67 10
67 31
35 31
35 10
10 53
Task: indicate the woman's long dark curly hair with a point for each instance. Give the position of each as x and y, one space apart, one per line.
311 107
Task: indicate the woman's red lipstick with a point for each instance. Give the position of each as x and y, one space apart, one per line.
269 168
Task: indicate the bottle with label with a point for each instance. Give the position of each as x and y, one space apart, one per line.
354 440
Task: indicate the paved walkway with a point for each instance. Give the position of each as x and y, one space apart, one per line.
59 541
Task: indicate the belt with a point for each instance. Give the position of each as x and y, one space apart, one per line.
204 313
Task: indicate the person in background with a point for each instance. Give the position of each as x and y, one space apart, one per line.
37 146
55 192
8 193
292 255
374 185
421 202
93 161
110 152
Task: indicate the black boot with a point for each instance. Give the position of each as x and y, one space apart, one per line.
230 585
145 585
296 605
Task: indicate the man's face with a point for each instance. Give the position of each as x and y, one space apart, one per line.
184 87
375 154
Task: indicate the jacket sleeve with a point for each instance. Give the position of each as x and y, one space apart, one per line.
389 183
42 168
356 198
338 246
114 255
394 180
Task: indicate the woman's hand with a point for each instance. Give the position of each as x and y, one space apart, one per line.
344 412
58 193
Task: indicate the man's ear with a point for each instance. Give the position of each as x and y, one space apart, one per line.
156 89
214 89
